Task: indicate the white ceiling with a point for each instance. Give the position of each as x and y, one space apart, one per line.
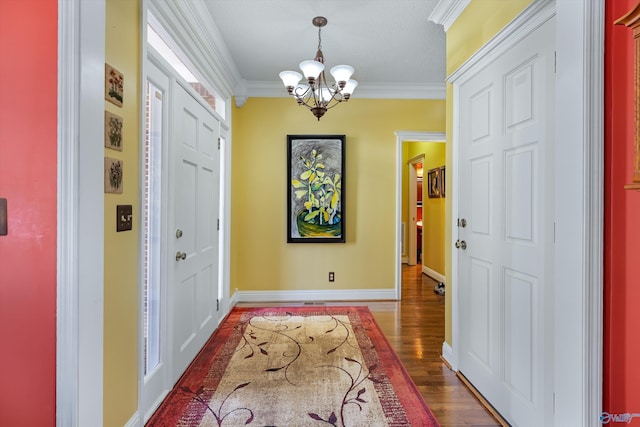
389 42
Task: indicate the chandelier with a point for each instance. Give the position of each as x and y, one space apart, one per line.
317 95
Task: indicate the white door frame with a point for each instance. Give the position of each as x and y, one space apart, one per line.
579 150
80 213
403 136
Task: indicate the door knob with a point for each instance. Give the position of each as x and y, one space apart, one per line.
180 255
461 244
462 222
178 233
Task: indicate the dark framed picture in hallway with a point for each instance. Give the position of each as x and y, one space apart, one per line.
433 183
315 189
442 180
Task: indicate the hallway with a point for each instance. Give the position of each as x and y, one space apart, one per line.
415 328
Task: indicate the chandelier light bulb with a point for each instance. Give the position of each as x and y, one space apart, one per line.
290 78
349 87
324 95
342 74
311 69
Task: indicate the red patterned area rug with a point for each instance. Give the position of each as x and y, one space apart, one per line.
296 367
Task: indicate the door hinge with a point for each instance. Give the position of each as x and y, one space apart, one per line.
217 305
219 143
218 224
555 62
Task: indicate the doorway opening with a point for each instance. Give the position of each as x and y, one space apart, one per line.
402 170
414 210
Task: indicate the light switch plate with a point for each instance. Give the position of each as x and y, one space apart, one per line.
124 217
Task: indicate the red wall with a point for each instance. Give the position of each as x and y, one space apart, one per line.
28 179
622 222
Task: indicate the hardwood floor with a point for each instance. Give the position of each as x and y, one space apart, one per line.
414 327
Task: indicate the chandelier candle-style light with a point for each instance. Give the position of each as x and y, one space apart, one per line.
317 95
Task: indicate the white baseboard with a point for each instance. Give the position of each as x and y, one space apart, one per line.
234 299
447 355
134 421
318 295
434 274
404 260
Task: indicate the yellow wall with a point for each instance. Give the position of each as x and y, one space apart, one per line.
479 22
261 260
433 210
121 249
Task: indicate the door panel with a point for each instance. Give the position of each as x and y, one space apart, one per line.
520 335
505 175
479 333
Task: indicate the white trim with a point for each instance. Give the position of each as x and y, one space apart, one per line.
142 119
579 212
234 299
316 295
196 34
226 219
594 175
134 421
447 354
453 175
401 137
67 405
80 288
447 12
274 89
434 274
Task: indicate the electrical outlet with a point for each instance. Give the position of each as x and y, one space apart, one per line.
331 276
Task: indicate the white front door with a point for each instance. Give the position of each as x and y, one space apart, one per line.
505 263
196 202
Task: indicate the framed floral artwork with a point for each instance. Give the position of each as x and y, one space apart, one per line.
113 175
315 189
433 183
113 85
112 131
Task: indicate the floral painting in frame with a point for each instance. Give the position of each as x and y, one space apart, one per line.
113 85
112 131
433 183
315 189
113 175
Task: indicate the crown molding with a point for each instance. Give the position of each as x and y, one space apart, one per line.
273 89
535 15
192 28
447 11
